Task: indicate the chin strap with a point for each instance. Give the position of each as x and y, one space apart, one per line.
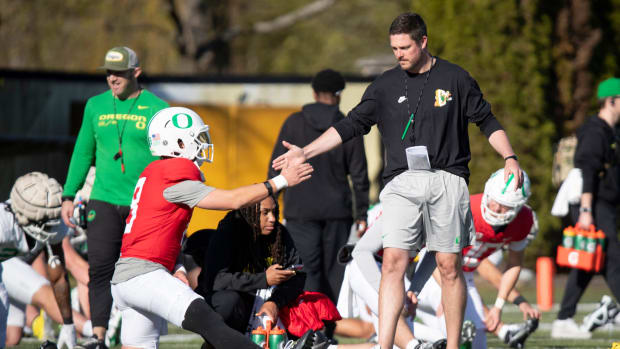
53 260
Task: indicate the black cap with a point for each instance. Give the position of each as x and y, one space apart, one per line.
328 80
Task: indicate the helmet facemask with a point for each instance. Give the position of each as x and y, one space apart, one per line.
204 148
42 232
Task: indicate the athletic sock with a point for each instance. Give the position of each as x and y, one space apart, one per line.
412 344
503 332
87 329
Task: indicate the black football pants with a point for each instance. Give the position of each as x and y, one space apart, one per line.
105 227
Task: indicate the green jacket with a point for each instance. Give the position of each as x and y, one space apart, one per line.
98 142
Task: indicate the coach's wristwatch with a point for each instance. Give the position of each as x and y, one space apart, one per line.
585 209
513 156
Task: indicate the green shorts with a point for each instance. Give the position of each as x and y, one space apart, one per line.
427 207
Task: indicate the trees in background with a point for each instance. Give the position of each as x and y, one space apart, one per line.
538 62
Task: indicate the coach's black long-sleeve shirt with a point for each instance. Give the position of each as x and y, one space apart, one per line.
596 156
450 100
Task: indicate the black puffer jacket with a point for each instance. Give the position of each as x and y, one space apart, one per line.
227 263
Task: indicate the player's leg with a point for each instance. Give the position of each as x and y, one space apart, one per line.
141 329
474 312
15 324
163 295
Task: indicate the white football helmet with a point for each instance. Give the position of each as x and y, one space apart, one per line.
504 193
35 200
180 132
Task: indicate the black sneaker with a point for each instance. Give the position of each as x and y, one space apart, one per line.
92 343
440 344
423 344
48 345
310 340
516 339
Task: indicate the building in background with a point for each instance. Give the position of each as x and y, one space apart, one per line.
42 114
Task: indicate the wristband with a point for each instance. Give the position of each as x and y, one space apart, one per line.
585 209
513 156
269 187
67 198
499 303
179 267
280 182
519 300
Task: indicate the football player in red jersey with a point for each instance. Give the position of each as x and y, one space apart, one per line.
501 219
150 285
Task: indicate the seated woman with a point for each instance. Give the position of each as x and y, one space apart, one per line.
250 251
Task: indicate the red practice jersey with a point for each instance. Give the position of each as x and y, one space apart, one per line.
155 226
487 240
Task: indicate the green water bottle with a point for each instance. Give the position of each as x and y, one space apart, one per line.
580 241
258 337
591 242
568 238
277 338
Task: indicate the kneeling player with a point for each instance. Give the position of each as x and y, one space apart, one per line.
501 218
149 285
30 223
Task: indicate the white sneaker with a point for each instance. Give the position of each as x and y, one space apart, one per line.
568 328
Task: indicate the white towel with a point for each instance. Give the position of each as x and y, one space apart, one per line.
569 193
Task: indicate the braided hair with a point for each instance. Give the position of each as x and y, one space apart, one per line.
263 248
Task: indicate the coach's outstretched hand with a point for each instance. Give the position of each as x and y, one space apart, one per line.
294 155
296 173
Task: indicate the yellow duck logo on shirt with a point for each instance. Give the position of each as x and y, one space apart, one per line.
442 97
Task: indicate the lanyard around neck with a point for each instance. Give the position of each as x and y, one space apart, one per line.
121 131
417 105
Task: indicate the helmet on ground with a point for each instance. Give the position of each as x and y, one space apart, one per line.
36 200
180 132
504 193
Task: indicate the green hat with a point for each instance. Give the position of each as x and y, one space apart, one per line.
120 58
609 88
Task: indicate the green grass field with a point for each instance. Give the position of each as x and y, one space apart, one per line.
604 338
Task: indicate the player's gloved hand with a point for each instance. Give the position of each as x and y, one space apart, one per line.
67 336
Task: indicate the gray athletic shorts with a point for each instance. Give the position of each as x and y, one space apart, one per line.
427 206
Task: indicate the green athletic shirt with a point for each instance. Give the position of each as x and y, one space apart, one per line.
98 142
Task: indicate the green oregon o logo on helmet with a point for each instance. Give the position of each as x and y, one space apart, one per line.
188 121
